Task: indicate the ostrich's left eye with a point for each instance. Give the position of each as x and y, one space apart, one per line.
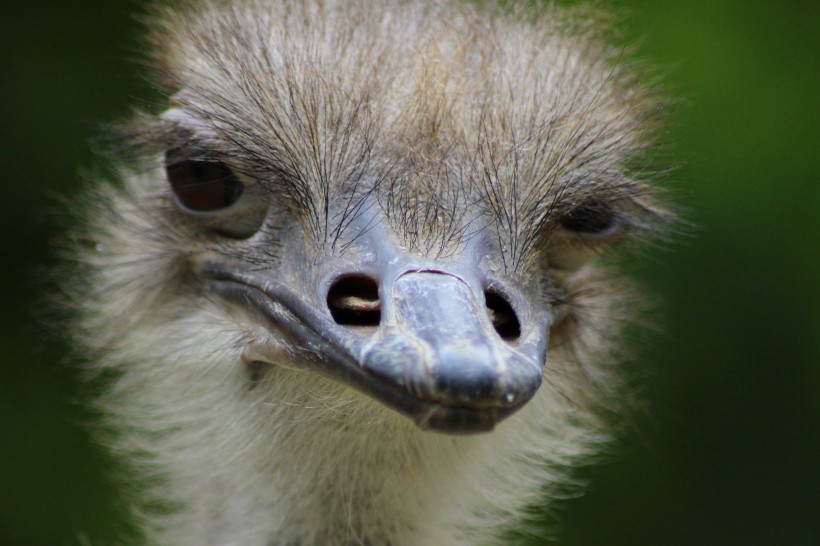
591 220
203 186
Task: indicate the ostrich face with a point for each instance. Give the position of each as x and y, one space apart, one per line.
445 336
398 206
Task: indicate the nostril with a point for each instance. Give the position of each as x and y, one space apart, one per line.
503 317
354 301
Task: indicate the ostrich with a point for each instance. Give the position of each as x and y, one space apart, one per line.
346 287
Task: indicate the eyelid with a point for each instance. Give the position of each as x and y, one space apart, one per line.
190 127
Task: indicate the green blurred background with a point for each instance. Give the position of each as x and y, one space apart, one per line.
728 451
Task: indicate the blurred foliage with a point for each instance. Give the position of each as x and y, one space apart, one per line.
727 451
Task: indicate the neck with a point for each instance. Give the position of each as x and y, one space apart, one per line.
291 458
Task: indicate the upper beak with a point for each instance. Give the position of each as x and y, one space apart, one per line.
434 355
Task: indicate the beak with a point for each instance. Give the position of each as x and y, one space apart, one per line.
438 343
434 354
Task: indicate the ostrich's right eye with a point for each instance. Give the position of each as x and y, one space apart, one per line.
203 186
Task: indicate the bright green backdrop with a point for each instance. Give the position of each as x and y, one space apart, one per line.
728 452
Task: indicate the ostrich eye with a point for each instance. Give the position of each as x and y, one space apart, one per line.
591 219
203 186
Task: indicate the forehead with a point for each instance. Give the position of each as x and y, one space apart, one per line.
430 80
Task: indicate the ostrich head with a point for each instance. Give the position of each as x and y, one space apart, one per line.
365 223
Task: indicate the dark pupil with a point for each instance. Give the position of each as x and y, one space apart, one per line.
592 218
204 185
